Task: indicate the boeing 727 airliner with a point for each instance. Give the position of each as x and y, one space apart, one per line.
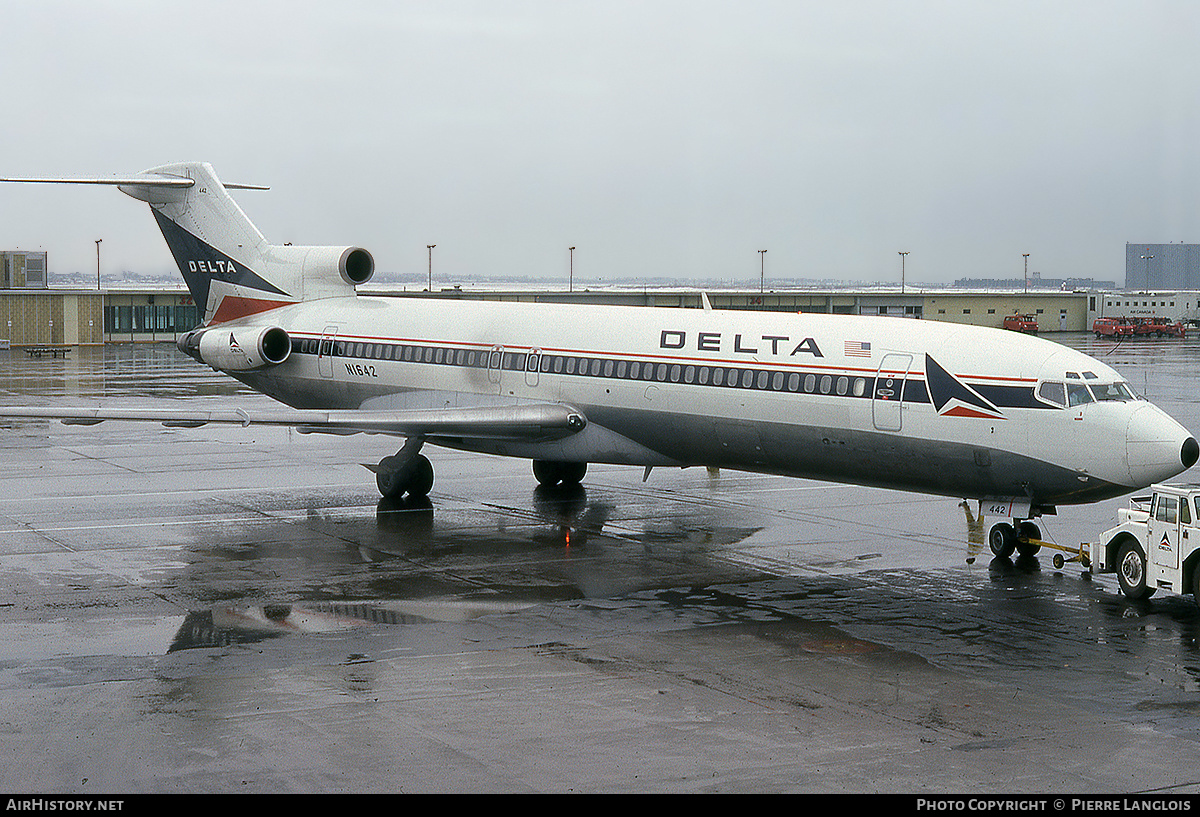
1020 423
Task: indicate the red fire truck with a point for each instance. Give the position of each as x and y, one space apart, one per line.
1112 327
1021 323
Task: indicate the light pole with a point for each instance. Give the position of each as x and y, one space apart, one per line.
430 248
903 257
762 271
571 278
98 240
1025 255
1147 258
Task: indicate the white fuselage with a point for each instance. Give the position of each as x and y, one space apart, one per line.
845 398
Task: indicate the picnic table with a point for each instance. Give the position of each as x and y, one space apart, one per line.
53 351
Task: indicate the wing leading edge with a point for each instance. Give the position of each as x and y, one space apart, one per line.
529 423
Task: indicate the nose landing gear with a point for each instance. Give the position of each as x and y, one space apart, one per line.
1025 539
1002 540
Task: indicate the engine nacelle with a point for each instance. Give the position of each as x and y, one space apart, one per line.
237 349
311 273
353 265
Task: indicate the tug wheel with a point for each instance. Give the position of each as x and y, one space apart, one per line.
1131 572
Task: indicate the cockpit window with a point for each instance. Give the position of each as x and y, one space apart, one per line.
1078 394
1055 393
1112 391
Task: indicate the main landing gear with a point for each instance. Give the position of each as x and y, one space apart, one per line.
405 472
558 474
409 473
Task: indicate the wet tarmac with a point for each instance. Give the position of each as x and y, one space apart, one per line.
233 610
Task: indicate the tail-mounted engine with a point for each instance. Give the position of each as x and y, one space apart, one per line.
237 349
308 273
354 265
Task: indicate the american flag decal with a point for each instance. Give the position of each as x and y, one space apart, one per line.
858 348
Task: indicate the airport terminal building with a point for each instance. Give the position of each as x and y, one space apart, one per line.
73 317
30 317
33 314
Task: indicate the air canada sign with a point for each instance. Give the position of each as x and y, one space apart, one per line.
714 342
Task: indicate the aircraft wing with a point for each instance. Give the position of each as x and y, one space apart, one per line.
530 422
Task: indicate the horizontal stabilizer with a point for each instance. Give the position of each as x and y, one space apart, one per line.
132 181
128 180
538 421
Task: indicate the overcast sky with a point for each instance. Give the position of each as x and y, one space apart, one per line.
659 138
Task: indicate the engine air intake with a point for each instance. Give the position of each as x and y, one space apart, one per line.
356 266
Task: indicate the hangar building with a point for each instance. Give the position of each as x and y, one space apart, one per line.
1163 267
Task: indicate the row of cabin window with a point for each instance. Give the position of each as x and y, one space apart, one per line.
761 379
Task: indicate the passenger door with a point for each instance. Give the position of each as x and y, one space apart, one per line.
888 398
495 367
325 351
533 367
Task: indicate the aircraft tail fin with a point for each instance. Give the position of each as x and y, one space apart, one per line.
229 267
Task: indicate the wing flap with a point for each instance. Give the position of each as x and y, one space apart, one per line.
536 421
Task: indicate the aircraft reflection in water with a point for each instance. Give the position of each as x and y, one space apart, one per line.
225 626
1019 423
427 584
408 522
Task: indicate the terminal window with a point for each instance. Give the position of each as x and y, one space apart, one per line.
35 270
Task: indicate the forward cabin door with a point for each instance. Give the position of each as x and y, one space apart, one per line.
888 398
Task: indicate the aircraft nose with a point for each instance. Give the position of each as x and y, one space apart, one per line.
1158 448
